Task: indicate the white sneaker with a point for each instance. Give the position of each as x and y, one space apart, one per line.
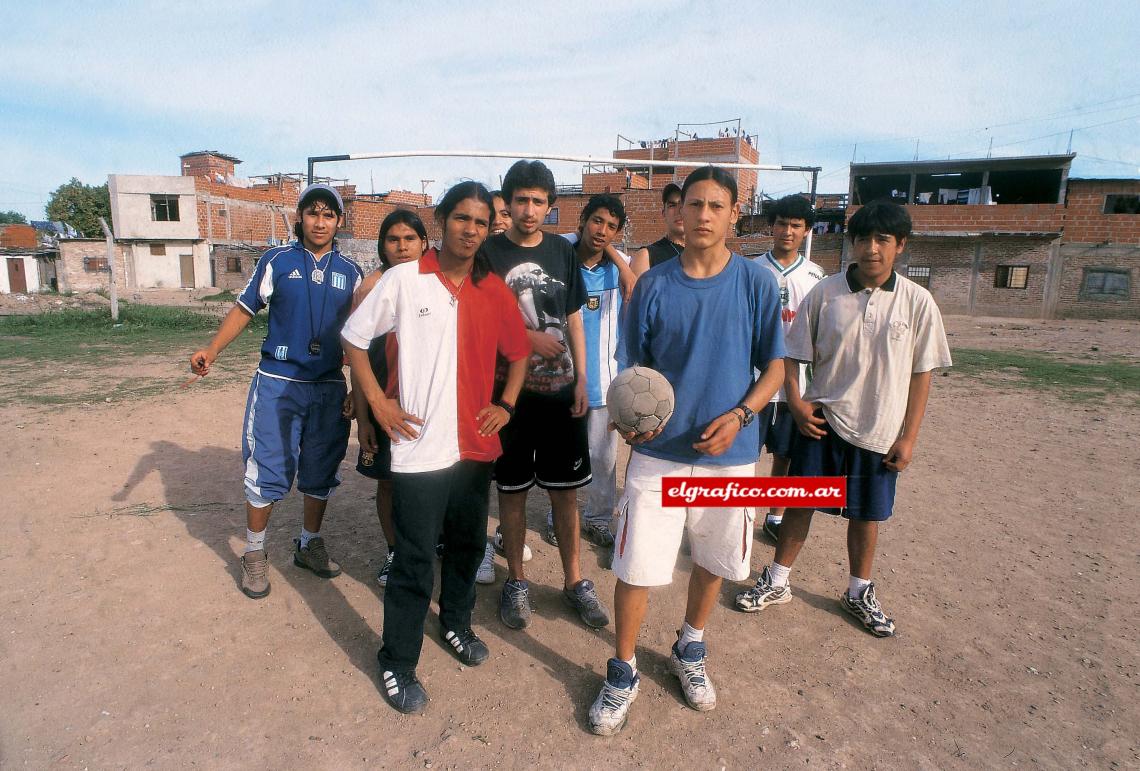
486 572
763 594
610 710
689 666
499 545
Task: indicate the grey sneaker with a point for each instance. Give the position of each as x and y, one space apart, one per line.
255 574
498 540
867 609
610 710
689 667
486 572
514 604
315 557
763 594
599 535
583 597
385 569
550 535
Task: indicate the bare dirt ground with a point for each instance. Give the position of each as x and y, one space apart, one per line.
1011 567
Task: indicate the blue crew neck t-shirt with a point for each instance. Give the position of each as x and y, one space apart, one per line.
303 309
706 336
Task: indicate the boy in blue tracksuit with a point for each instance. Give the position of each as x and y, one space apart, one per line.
294 426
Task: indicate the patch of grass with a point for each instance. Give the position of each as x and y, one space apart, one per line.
1079 381
88 334
226 295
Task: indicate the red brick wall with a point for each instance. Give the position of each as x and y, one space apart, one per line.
207 166
246 214
1077 258
364 215
933 218
1085 220
612 182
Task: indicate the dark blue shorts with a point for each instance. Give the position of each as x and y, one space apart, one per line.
377 465
777 429
870 484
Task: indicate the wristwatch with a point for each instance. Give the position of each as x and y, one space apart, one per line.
508 408
749 415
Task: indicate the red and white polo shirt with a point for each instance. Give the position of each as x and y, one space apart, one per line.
449 338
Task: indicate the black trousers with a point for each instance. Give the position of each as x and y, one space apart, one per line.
452 501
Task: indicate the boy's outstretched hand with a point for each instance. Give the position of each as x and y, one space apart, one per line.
632 438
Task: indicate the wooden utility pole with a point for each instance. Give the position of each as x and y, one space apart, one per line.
114 272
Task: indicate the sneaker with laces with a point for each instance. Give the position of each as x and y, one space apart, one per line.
772 529
763 594
583 597
610 710
514 604
315 557
551 535
385 569
255 574
466 646
867 609
689 666
527 554
597 534
403 690
486 572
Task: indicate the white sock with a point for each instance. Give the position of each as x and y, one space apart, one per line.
633 664
306 536
254 541
855 585
688 635
779 574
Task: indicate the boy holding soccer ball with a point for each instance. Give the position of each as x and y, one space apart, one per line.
705 321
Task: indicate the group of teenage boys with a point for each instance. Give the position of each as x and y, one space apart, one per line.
489 357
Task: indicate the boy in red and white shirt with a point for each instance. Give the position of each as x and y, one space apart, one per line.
452 317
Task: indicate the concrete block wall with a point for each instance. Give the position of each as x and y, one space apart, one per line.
69 267
1076 259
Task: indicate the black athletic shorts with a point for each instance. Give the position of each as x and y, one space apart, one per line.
377 465
777 427
544 445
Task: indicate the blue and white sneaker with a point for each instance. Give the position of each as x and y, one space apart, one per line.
867 609
610 710
498 541
763 594
689 666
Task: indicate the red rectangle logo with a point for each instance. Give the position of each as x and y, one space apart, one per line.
785 492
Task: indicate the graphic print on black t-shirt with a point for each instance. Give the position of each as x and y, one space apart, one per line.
546 281
542 299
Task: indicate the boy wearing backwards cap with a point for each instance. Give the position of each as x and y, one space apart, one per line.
293 426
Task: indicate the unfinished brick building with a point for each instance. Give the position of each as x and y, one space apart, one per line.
1015 236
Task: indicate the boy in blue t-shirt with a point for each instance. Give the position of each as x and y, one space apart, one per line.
705 321
294 425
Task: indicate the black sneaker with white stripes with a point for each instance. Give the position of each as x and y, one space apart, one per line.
403 691
466 646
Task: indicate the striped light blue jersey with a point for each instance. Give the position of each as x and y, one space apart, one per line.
600 320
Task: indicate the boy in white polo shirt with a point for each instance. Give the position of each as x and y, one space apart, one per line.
873 338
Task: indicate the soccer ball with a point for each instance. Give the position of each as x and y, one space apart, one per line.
640 400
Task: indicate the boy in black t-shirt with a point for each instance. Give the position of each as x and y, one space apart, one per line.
546 443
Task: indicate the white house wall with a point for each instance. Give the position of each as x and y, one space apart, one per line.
131 207
31 273
164 271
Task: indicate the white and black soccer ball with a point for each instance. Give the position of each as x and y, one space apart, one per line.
640 400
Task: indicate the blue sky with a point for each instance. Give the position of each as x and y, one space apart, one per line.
93 89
